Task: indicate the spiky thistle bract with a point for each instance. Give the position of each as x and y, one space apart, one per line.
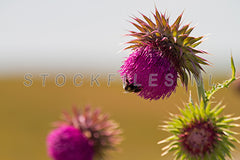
200 134
173 45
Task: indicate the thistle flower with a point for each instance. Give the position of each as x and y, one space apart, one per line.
68 143
100 133
163 50
155 75
200 133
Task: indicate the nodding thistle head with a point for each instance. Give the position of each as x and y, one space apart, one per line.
200 133
85 135
161 53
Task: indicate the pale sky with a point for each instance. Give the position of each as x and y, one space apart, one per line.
77 35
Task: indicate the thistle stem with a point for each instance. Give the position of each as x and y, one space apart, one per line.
201 90
225 84
206 95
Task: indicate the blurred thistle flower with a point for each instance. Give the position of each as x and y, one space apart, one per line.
200 133
84 135
161 51
68 143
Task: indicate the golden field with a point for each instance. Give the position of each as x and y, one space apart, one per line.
27 113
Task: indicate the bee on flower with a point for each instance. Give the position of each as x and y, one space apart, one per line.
161 53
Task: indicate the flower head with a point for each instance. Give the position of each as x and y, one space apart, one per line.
68 143
101 133
154 74
200 133
160 48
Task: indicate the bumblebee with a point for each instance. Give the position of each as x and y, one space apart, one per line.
131 88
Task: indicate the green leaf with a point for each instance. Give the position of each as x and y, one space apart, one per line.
233 68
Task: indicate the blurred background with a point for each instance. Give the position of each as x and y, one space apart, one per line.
49 37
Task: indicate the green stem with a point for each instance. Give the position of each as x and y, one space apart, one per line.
218 87
225 84
201 90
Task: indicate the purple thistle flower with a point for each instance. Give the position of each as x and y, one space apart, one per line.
162 51
68 143
153 73
85 135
